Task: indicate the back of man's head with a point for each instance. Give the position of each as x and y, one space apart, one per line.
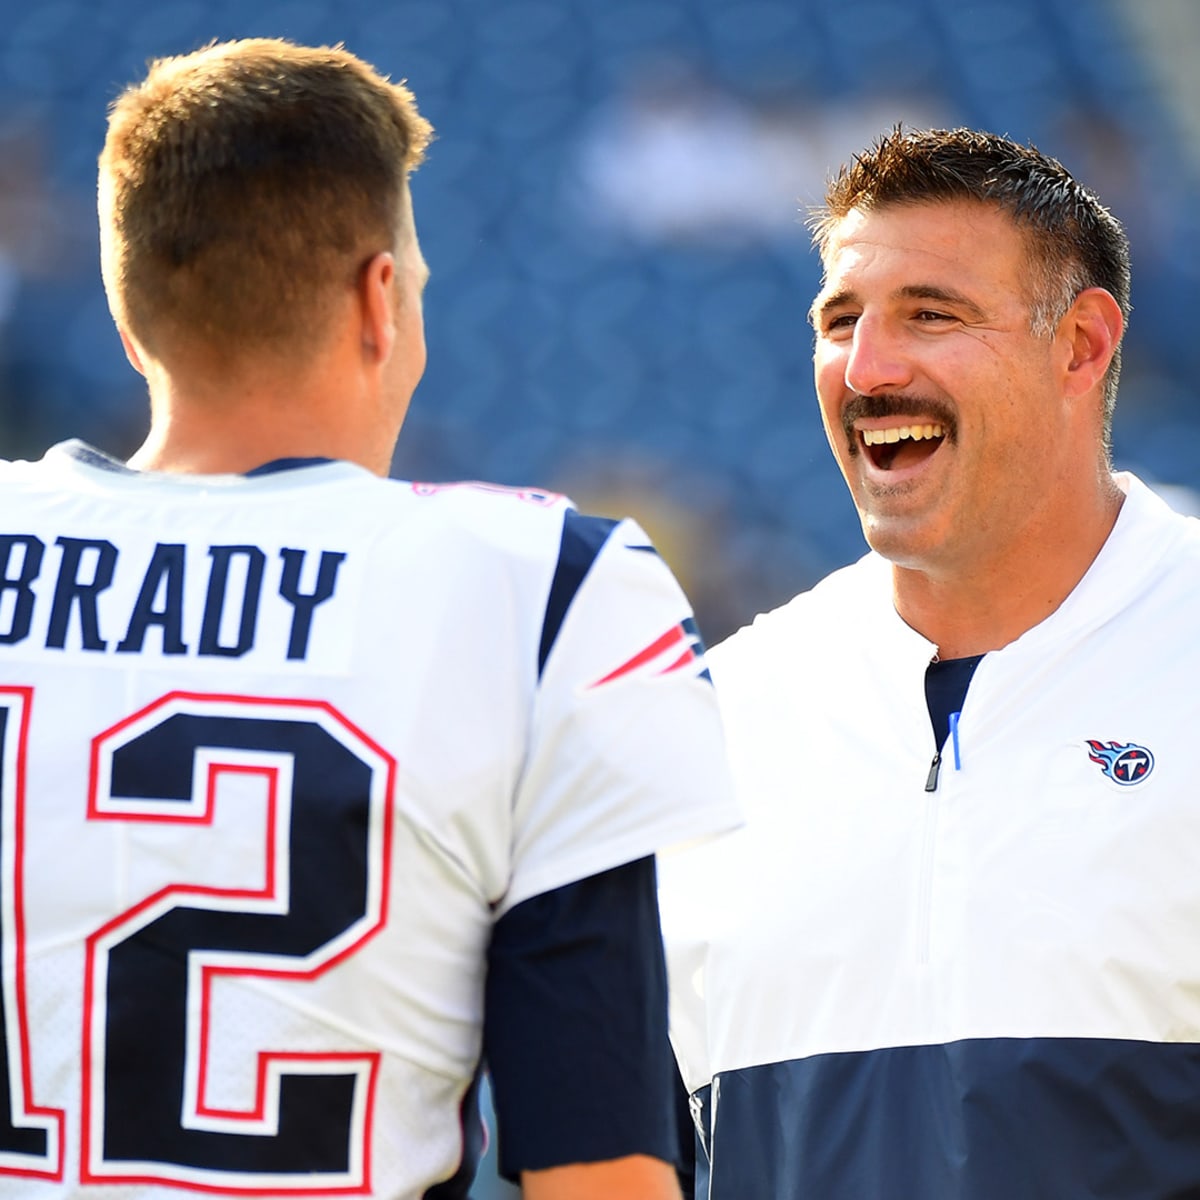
243 186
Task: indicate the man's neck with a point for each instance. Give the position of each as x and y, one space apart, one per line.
214 415
972 610
235 427
242 448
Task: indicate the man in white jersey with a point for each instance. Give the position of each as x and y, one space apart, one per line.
953 953
319 789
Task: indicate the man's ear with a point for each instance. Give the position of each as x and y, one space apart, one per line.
131 351
377 304
1092 327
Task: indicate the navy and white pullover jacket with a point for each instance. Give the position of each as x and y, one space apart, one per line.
979 983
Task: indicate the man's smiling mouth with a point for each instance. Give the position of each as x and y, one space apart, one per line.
877 437
902 445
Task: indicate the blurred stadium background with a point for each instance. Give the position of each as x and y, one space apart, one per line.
613 215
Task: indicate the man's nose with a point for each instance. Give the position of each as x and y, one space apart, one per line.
878 360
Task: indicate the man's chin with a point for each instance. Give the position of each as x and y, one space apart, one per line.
905 541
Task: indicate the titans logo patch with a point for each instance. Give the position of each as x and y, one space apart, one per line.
1125 764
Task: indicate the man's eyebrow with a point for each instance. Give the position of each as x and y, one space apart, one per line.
823 304
915 291
929 291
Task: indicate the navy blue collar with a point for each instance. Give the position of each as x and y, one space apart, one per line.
946 683
287 464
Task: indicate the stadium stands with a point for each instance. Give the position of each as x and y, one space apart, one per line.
612 217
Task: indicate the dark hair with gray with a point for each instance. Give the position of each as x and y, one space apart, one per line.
1074 241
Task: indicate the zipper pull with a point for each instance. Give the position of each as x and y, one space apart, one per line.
932 781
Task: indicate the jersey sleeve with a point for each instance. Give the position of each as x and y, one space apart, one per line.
575 1025
626 752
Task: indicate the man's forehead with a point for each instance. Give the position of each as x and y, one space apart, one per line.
930 241
918 223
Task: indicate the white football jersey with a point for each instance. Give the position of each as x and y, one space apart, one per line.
276 751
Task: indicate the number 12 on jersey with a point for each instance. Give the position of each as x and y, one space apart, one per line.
153 971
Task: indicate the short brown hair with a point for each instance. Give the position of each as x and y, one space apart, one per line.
1074 241
241 183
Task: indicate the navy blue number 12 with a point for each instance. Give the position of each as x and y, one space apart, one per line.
169 977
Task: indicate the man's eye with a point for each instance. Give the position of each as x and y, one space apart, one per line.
929 315
841 321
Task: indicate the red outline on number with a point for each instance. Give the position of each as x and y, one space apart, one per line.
30 1109
265 1057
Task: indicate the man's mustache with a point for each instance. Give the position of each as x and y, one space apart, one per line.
886 404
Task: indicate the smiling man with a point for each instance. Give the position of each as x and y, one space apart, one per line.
952 953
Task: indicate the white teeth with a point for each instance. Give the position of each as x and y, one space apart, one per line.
878 437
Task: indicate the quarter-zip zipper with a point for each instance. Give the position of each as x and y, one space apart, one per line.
929 841
935 767
944 697
924 914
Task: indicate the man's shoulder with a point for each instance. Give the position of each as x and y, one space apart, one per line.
807 616
1151 531
16 470
490 512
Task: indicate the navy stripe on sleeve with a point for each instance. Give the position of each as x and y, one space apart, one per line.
583 538
575 1022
